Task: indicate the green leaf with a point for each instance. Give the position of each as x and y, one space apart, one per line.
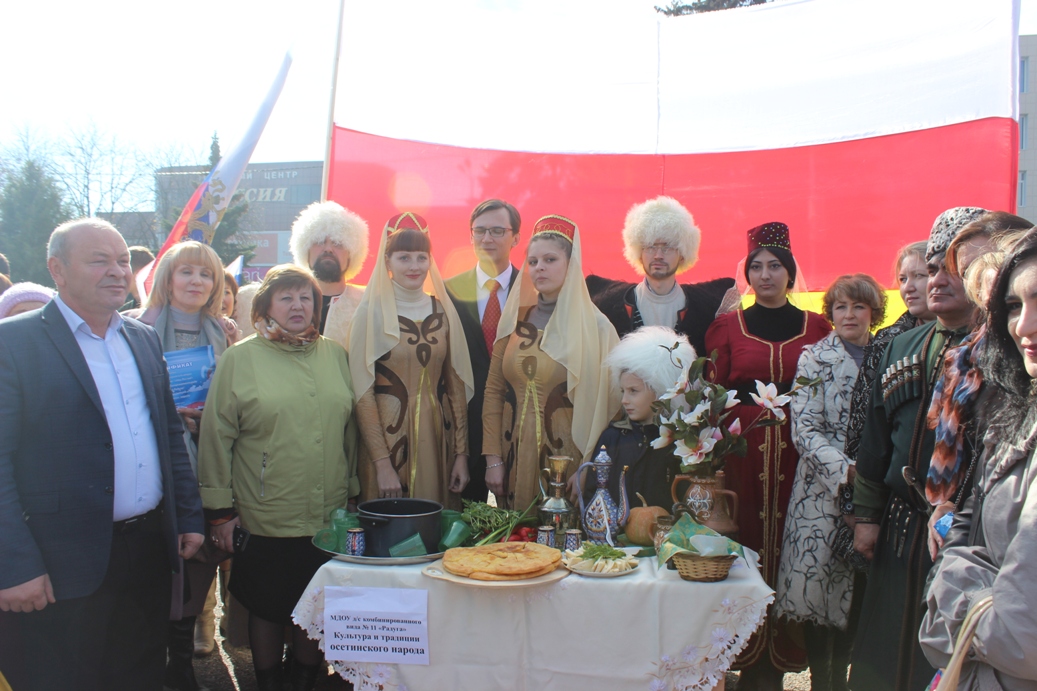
695 371
717 405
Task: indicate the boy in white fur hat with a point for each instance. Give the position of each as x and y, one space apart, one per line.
643 366
660 240
331 241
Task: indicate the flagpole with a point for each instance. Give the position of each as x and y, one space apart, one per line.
331 106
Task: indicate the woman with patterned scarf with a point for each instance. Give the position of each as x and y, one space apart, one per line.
984 573
958 393
277 454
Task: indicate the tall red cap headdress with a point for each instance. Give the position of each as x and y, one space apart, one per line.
555 225
772 234
407 221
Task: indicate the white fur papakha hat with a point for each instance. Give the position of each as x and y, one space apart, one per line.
664 220
322 220
650 354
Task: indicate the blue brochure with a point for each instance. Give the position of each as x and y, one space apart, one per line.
944 524
190 372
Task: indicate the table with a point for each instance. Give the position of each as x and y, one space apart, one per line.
649 630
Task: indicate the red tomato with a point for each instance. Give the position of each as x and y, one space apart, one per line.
516 538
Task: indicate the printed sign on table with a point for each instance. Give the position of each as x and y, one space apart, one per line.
388 625
190 372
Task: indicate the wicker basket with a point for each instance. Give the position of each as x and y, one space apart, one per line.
692 567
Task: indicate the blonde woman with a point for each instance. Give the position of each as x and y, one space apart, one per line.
184 307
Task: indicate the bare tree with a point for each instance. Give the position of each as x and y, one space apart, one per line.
102 174
27 145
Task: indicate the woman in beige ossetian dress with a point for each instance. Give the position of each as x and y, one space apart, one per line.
408 356
548 391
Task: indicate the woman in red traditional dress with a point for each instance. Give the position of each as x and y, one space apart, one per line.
764 342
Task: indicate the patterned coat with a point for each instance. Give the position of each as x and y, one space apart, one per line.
812 584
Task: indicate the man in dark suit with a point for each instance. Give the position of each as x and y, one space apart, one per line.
479 295
97 498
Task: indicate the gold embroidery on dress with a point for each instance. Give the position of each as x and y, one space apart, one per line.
423 383
529 369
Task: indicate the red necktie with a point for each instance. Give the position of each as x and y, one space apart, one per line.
491 316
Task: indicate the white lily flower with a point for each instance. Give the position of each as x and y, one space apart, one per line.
664 439
677 389
702 446
694 417
768 398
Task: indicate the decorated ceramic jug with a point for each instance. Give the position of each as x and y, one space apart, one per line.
709 503
602 518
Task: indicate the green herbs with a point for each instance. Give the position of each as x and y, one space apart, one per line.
490 524
485 518
592 552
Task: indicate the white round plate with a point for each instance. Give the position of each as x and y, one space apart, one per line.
597 574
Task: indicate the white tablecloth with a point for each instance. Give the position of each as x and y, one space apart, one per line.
650 630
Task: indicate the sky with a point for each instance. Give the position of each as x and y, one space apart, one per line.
167 75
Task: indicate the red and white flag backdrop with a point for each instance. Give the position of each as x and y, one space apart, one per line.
856 122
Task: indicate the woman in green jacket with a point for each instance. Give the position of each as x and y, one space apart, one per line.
277 455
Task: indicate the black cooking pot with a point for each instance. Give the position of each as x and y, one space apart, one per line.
387 522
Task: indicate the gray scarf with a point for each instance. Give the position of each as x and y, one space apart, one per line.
212 332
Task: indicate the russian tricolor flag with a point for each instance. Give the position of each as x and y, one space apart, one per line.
856 122
205 209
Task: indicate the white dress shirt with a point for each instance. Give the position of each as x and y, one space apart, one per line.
138 477
482 295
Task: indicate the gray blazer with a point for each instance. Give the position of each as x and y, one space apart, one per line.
57 467
991 549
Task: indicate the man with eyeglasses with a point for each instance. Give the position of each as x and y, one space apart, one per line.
479 295
660 241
